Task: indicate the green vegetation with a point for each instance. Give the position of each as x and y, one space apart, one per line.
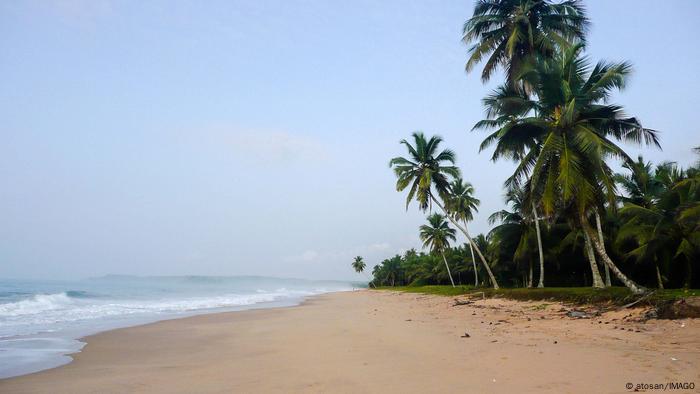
437 235
576 295
567 209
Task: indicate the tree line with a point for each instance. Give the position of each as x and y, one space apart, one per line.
570 219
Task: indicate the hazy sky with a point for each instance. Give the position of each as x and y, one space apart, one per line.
252 137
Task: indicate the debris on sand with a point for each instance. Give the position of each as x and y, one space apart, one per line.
576 314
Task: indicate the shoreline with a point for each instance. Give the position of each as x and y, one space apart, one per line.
66 345
380 341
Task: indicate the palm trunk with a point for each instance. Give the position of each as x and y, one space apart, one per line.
658 276
597 280
529 276
602 241
448 269
471 241
476 273
371 282
539 245
600 249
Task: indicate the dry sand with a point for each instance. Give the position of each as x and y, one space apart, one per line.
369 341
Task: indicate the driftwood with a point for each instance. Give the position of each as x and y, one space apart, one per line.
472 295
644 297
459 302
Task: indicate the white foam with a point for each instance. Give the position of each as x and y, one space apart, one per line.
37 304
38 313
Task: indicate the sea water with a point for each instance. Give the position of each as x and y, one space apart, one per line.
41 321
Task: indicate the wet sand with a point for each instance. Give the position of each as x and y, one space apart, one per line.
376 341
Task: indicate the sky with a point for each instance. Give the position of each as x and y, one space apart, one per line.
253 137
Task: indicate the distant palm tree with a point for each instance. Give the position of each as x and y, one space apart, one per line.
427 170
358 264
563 137
640 185
462 205
513 32
437 236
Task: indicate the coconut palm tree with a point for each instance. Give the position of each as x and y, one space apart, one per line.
641 186
517 227
358 264
388 272
563 136
428 170
511 33
667 229
436 235
462 205
572 240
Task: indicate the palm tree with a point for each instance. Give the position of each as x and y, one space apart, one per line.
520 205
462 204
572 240
436 236
666 229
516 227
513 32
641 186
425 171
601 238
563 137
358 264
388 272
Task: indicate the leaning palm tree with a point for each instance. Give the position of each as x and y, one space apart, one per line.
358 264
563 137
427 172
462 204
513 32
436 235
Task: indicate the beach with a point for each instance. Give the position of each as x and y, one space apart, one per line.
380 341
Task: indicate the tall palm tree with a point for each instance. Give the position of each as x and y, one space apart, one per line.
437 236
427 170
513 32
462 205
519 200
642 188
563 137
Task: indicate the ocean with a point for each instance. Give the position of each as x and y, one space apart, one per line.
41 321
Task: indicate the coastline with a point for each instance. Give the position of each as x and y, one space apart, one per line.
60 347
369 341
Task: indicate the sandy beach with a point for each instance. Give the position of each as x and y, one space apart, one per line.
369 341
